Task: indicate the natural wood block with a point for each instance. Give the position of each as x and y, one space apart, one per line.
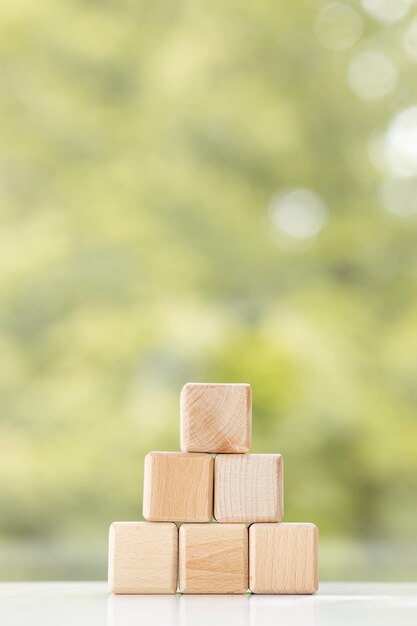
213 558
143 557
178 487
216 417
248 488
283 558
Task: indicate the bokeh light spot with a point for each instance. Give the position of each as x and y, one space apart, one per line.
387 11
399 196
401 143
410 40
372 74
338 26
300 213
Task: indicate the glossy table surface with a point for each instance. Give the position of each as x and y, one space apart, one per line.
89 604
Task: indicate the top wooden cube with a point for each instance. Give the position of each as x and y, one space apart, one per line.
216 417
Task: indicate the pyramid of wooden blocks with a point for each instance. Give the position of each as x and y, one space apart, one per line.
213 479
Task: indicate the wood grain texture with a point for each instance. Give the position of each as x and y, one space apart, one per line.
213 558
143 557
216 417
283 558
248 488
178 487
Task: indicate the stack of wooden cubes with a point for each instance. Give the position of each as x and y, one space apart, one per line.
247 546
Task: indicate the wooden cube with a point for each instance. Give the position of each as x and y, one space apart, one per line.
213 558
283 558
248 488
178 487
143 557
216 417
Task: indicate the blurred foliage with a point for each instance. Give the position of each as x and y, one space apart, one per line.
140 146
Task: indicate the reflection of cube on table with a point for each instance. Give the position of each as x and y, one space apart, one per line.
248 488
216 417
143 557
230 609
138 610
178 487
283 558
213 558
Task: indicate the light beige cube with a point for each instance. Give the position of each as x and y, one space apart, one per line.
248 488
283 558
178 487
213 558
216 417
143 557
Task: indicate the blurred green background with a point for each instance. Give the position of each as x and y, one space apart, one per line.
207 191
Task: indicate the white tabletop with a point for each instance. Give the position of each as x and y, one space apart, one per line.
89 604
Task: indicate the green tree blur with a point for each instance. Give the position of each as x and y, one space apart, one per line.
220 191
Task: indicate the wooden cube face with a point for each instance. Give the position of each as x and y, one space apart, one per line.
283 558
216 417
213 558
143 557
248 488
178 487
